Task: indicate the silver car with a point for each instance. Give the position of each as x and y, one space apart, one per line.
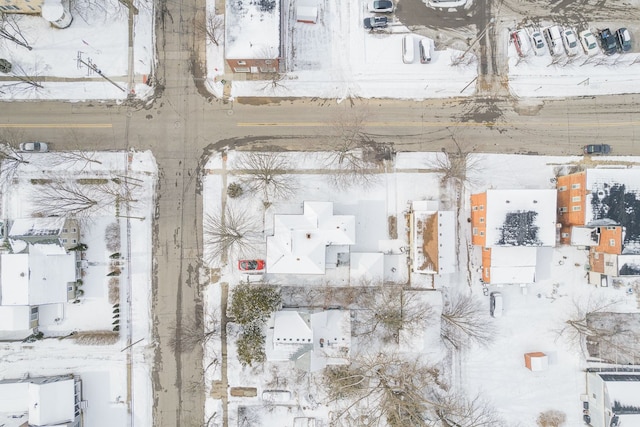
34 147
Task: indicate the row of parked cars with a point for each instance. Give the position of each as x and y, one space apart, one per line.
557 40
377 21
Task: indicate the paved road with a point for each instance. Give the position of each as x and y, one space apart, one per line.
182 127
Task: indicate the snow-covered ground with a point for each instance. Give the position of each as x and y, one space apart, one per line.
532 316
98 36
103 368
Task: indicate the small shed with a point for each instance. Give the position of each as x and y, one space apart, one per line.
308 14
536 361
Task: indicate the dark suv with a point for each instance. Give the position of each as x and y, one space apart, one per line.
597 149
608 42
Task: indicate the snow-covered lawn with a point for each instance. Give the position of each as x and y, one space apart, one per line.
98 36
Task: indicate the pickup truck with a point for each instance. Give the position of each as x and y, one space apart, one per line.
608 42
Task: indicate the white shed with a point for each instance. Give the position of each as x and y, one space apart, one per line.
308 14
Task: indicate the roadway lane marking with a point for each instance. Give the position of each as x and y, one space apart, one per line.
55 125
439 124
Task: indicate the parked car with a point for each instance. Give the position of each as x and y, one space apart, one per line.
424 47
596 149
570 42
381 6
623 39
375 22
251 265
589 42
554 39
495 304
608 42
538 43
521 41
408 49
34 147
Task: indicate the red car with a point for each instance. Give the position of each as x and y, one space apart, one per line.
251 265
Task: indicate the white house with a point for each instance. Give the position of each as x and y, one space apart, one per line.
313 340
614 399
299 242
43 401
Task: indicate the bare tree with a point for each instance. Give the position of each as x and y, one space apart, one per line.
457 409
107 9
389 311
10 156
81 198
77 158
551 418
27 81
456 166
354 157
267 174
194 332
213 27
463 322
598 332
228 233
10 30
462 59
385 389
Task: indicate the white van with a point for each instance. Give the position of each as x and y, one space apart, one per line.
554 40
425 50
408 49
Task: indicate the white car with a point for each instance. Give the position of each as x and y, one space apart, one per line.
34 147
537 41
570 42
589 42
554 39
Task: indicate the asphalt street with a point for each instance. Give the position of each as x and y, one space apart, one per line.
182 127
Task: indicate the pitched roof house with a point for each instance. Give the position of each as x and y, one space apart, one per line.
64 232
432 238
600 209
313 340
299 242
510 225
253 36
614 399
43 401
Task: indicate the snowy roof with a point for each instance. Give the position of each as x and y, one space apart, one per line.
252 29
366 267
38 277
47 401
433 248
15 318
514 256
296 334
623 388
49 226
610 195
513 264
52 402
524 217
584 236
298 244
629 265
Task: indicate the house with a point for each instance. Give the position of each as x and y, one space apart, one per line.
64 232
309 242
311 340
432 238
614 337
613 399
600 209
43 401
511 226
36 270
253 42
